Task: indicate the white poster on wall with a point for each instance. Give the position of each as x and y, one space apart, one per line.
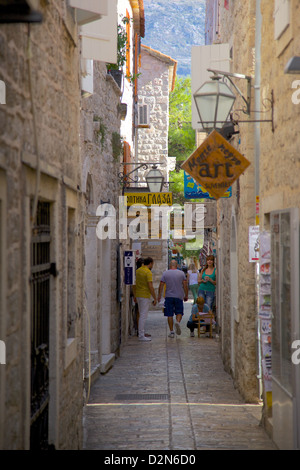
254 243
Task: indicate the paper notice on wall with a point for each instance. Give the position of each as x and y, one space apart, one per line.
267 375
254 243
137 248
265 308
265 247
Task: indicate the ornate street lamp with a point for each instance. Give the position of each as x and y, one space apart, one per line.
155 180
214 101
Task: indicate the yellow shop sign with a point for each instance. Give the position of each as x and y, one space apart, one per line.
149 199
215 165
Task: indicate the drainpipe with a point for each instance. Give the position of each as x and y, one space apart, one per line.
257 93
257 156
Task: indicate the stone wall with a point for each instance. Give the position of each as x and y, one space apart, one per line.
153 91
279 187
279 174
237 27
54 67
100 120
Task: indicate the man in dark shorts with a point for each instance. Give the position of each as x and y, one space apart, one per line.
176 286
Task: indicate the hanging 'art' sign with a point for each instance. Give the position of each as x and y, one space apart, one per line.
215 165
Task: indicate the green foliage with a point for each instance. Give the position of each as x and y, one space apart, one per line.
186 253
182 139
177 187
117 145
181 134
102 131
121 46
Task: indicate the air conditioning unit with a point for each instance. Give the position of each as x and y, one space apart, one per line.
144 118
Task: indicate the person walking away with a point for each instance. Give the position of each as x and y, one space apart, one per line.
192 279
142 291
176 292
198 308
139 263
208 280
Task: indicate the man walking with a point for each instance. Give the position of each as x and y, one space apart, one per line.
142 292
176 291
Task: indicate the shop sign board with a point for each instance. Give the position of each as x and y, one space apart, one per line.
215 165
129 267
152 248
149 199
193 190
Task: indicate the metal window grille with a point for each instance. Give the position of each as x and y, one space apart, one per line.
40 298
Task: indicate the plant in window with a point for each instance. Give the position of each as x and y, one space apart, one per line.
121 46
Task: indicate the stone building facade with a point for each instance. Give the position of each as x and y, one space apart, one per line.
41 233
99 122
279 211
62 315
263 37
105 134
236 276
157 80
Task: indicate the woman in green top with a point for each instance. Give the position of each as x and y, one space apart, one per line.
208 280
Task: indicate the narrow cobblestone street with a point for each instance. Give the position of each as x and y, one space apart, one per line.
170 394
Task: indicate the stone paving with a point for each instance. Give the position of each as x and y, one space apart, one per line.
170 394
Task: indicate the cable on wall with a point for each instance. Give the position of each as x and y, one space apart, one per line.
38 163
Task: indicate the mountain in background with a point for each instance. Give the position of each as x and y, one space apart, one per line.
173 27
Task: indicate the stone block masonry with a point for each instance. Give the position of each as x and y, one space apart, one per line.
53 67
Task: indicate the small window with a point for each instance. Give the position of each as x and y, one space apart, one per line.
144 119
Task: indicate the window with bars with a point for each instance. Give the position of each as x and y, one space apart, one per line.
40 308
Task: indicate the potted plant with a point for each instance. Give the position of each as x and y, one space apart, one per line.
116 69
